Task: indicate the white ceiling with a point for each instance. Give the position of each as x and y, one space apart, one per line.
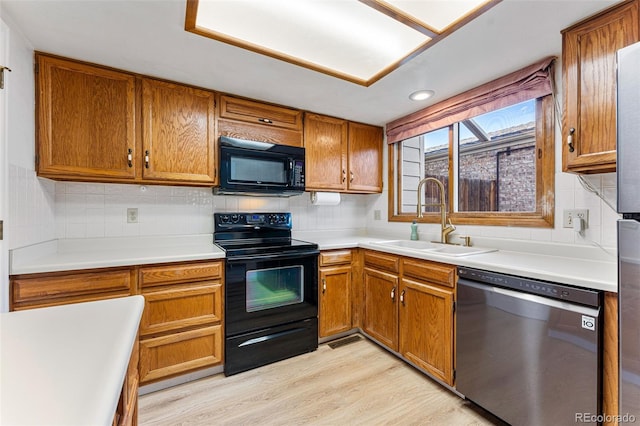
148 37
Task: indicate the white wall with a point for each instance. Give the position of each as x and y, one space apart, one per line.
31 200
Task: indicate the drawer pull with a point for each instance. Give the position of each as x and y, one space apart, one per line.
265 120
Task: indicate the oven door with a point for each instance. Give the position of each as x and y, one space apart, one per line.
271 289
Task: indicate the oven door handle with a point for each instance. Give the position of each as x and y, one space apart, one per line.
277 256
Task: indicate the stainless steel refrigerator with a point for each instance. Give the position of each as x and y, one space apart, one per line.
628 170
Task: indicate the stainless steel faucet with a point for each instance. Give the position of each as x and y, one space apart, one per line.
445 229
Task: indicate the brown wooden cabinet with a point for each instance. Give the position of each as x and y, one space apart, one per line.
341 155
409 307
426 316
178 139
103 125
253 120
381 289
86 121
335 289
589 74
181 326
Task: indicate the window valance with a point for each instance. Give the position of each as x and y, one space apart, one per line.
530 82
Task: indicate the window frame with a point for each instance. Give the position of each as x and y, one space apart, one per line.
543 217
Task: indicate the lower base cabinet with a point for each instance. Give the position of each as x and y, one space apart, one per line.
334 292
409 307
181 328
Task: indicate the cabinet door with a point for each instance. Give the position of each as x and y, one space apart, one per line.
426 327
589 68
178 133
335 300
325 142
365 158
86 127
380 307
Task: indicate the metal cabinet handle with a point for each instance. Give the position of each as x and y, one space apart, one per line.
402 297
570 139
324 285
265 120
130 157
344 175
351 180
393 293
146 159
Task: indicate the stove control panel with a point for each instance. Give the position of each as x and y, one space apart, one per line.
240 220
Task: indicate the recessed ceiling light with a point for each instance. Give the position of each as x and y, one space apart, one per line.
421 95
358 41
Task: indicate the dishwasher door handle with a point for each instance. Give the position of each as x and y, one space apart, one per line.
559 304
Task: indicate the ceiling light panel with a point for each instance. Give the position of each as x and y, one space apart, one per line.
436 15
344 37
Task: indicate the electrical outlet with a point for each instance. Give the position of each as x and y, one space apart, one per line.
132 215
570 214
376 215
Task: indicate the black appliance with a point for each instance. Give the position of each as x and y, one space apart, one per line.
260 168
271 290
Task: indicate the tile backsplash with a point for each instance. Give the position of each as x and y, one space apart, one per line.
41 210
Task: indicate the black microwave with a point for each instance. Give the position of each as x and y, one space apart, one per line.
260 168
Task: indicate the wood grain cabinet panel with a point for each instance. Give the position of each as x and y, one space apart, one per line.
173 354
178 133
437 273
589 74
177 308
335 300
86 124
326 147
342 156
365 158
39 290
426 327
387 262
253 120
380 306
151 276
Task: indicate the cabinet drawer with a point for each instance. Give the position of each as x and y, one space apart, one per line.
176 308
174 274
335 257
437 273
73 286
259 113
167 356
379 260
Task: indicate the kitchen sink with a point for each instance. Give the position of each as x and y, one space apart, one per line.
410 244
436 248
451 250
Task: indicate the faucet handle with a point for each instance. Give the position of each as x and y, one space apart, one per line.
451 225
466 239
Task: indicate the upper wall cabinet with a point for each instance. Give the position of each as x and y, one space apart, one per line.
102 125
178 132
251 120
589 73
86 121
342 156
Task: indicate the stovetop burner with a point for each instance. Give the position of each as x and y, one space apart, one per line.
240 234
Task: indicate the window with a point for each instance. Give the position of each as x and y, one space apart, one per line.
497 167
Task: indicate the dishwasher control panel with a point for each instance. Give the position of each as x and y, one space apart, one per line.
528 285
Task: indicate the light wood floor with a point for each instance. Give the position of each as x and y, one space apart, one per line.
356 384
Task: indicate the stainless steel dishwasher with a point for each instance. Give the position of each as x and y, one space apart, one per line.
529 351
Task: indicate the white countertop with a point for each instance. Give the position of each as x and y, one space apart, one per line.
65 365
579 265
582 266
89 253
